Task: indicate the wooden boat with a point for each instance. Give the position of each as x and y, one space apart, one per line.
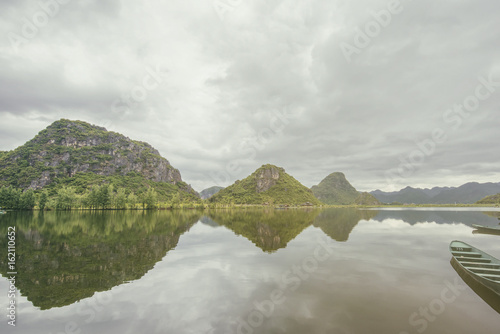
480 266
486 229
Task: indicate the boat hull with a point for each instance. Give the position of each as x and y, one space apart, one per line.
490 296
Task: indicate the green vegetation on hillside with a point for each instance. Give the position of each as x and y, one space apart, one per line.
12 198
336 190
133 182
98 195
54 152
493 199
282 190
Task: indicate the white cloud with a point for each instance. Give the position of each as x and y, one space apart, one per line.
225 79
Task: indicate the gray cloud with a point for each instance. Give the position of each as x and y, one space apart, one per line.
225 81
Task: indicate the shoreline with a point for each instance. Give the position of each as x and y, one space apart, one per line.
277 207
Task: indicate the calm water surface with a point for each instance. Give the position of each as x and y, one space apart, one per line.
277 271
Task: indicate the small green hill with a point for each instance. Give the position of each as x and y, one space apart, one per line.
336 190
268 185
493 199
366 199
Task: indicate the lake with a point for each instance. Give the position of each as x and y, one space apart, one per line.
340 271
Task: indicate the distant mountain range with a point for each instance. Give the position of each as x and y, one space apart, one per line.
465 194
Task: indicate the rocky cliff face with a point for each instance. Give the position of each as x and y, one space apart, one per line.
267 178
66 148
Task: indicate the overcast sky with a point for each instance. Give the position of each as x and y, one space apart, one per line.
222 87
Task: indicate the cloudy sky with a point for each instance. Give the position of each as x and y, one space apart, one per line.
390 93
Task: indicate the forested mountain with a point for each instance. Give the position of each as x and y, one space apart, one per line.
80 155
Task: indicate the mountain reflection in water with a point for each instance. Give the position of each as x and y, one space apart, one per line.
63 257
272 229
